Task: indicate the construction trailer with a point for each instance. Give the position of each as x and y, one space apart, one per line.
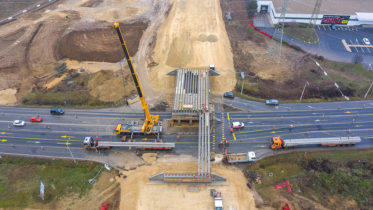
150 125
277 142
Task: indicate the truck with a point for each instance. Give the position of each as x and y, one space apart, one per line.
91 143
218 201
277 142
240 157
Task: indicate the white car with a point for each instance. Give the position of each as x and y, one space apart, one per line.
238 125
366 41
24 11
10 18
19 123
38 5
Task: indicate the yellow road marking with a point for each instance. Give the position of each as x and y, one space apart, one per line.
234 136
66 143
17 137
129 148
4 140
67 137
228 115
146 139
348 112
273 132
2 133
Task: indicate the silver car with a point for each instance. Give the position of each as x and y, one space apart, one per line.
19 123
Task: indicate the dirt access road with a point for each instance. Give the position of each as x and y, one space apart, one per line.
193 36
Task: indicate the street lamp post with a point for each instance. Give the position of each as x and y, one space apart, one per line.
304 88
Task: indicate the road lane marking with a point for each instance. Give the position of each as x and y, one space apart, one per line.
347 112
146 139
228 115
65 143
67 137
234 136
273 132
300 117
27 138
4 140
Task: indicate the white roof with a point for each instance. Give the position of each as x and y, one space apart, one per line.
364 16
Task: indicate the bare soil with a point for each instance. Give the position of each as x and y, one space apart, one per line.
100 44
193 37
139 193
31 46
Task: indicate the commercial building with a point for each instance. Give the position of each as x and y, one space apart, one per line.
341 12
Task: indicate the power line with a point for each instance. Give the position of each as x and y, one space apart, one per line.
274 49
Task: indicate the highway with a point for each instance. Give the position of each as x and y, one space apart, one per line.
62 136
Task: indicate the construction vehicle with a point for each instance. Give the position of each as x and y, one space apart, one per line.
150 125
239 157
218 201
91 143
277 142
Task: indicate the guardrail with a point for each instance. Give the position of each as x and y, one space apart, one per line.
136 144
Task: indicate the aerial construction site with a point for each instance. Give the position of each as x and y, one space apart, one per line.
179 104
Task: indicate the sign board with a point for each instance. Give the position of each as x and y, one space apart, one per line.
42 190
335 19
242 75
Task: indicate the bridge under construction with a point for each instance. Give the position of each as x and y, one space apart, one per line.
192 102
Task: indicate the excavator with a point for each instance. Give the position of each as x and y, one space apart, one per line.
150 125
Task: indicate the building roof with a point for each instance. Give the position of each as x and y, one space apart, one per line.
363 16
331 7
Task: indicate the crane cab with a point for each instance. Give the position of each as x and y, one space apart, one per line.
276 142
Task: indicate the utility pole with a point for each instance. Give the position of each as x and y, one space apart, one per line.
315 13
274 49
366 94
243 80
301 96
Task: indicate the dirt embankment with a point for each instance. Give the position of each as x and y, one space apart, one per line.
139 193
100 44
193 37
35 43
287 79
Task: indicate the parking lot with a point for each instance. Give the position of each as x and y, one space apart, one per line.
331 41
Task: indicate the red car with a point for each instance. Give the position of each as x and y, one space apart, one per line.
36 119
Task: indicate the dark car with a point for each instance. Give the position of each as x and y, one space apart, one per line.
57 111
229 95
272 102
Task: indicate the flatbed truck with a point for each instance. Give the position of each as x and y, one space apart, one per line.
240 157
277 142
91 143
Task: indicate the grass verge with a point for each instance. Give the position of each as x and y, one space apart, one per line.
20 180
302 32
332 178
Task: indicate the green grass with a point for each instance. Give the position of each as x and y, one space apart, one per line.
302 32
20 180
321 175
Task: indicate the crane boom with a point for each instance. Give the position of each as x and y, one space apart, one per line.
150 120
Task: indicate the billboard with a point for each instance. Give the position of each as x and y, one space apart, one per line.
335 19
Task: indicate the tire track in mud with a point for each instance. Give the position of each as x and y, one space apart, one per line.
29 43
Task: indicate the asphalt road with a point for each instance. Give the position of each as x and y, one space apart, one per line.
66 133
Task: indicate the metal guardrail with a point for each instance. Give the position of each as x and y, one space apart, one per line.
136 144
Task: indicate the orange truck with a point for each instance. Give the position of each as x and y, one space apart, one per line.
278 143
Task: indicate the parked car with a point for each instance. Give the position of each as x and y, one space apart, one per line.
57 111
238 125
36 119
272 102
19 123
228 95
366 41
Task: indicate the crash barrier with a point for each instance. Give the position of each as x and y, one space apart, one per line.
251 23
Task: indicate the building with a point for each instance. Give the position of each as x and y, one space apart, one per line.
341 12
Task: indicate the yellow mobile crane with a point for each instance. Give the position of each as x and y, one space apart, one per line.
150 120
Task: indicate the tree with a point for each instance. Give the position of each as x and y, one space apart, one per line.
252 7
